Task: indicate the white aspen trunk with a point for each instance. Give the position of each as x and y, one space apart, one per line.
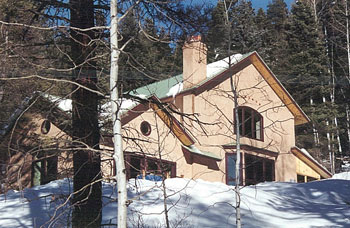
347 110
332 94
329 142
238 156
236 119
314 7
335 121
238 162
316 138
340 149
118 154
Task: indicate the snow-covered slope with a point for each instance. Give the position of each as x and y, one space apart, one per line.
191 203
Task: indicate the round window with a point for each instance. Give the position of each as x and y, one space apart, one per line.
145 128
45 127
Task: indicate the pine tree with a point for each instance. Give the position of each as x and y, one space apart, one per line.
262 25
245 33
308 78
218 34
233 29
20 50
276 43
335 25
148 57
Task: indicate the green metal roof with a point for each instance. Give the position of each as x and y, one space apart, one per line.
159 89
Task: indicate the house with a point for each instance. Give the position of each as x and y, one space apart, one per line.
187 123
183 126
32 144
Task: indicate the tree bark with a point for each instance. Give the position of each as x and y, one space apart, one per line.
87 168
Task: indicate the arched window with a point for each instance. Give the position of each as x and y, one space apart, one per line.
250 123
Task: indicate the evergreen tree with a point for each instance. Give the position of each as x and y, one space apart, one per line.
218 34
148 57
276 43
21 49
233 29
245 33
262 25
335 25
308 78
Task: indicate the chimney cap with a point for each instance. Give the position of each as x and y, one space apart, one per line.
194 38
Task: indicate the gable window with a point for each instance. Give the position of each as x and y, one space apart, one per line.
45 127
250 123
145 128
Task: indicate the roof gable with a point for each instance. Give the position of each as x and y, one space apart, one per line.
217 73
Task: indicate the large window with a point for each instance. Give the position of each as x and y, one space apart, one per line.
44 169
254 169
258 169
250 123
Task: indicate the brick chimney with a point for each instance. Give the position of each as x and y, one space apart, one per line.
194 62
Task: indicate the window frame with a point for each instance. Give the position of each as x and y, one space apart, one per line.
145 128
253 113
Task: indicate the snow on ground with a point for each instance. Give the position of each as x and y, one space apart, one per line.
191 203
343 176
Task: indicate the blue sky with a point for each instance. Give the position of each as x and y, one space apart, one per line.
263 3
256 3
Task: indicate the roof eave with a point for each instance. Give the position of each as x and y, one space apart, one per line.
299 115
324 173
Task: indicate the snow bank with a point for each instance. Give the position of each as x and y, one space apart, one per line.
342 176
191 204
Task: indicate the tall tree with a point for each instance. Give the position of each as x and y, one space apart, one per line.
245 33
233 22
148 56
262 25
21 49
218 32
86 136
334 18
307 71
276 42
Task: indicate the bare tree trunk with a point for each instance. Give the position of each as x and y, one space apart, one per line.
238 154
331 157
314 8
228 5
118 155
314 130
238 163
87 163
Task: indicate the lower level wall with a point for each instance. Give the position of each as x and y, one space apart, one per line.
285 167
